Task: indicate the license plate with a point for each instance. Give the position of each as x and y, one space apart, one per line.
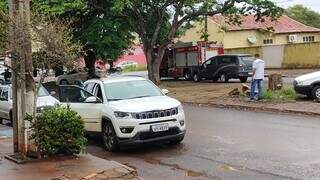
160 127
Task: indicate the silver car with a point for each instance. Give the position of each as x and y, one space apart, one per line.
44 100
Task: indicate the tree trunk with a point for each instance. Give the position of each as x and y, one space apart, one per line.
154 62
90 59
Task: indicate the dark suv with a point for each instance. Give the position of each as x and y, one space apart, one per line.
225 67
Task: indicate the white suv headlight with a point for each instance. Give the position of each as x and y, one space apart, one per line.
120 114
299 83
180 109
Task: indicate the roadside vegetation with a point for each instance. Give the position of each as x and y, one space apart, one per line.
287 94
133 68
58 130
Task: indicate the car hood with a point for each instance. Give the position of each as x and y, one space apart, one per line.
310 76
145 104
46 101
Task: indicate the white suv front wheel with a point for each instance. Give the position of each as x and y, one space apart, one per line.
109 136
316 92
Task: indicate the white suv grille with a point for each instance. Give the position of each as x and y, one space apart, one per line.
155 114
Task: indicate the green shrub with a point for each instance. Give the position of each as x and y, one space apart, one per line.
284 94
58 130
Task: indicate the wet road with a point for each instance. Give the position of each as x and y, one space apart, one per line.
229 144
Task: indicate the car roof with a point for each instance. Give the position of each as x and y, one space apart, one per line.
112 79
235 55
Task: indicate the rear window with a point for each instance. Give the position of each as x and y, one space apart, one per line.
246 60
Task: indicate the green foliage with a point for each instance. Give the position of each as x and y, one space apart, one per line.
94 22
58 130
55 45
304 15
281 95
3 26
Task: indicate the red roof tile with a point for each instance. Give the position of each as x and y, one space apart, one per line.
283 25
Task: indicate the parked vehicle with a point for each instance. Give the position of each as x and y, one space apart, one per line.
124 64
226 67
308 84
126 110
45 100
72 77
184 59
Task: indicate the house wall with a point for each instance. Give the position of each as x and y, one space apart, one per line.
301 55
239 39
194 33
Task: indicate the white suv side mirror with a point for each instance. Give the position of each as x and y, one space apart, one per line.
92 99
165 91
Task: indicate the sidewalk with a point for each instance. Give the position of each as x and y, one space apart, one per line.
86 167
297 107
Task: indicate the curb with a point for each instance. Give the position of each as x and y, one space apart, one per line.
250 108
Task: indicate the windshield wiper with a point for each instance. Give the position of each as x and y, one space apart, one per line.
139 97
115 99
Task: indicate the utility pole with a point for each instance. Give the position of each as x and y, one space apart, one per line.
20 43
13 63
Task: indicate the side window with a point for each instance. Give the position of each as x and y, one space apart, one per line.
208 62
89 87
98 92
4 94
1 90
228 60
73 94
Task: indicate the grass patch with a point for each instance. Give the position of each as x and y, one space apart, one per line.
133 68
281 95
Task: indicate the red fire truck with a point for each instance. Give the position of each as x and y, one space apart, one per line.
184 59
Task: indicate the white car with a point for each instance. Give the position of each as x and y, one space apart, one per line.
71 77
45 100
308 84
125 64
127 110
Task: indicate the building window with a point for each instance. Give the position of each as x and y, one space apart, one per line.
268 41
308 39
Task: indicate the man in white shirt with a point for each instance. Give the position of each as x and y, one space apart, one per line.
257 78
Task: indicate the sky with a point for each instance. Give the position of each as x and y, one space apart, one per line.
312 4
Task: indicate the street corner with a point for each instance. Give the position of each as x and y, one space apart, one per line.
116 173
86 167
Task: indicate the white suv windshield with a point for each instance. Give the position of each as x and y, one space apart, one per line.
130 90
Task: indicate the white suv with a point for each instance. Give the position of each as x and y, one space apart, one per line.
127 110
308 84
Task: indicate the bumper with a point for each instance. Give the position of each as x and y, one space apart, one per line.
148 137
245 74
303 89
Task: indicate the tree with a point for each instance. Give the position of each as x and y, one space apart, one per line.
304 15
101 32
158 21
3 27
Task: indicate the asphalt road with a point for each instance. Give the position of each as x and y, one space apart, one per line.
230 144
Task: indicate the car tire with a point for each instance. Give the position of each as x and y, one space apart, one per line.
187 76
316 92
109 137
1 120
243 79
223 77
64 82
196 77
